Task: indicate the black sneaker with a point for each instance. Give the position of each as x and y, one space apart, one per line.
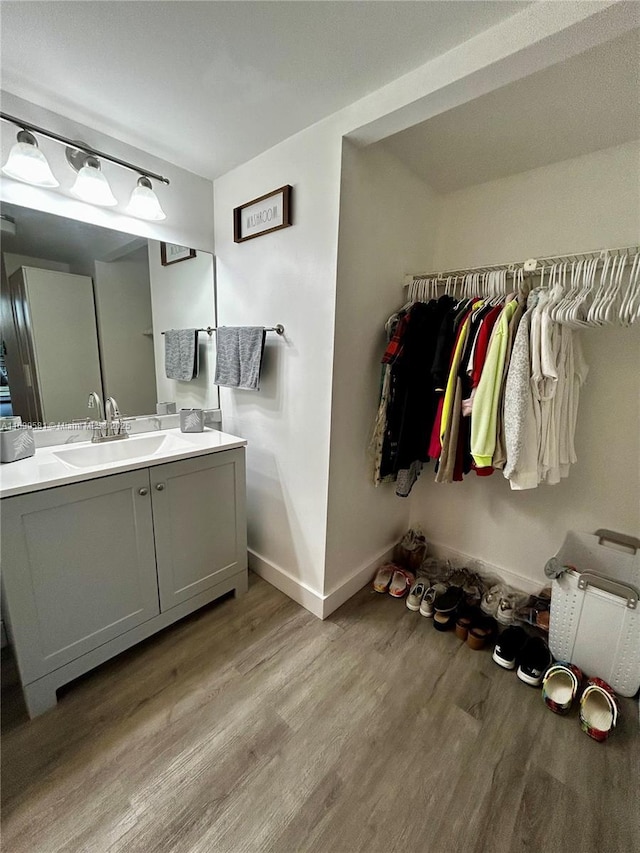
534 660
510 644
448 601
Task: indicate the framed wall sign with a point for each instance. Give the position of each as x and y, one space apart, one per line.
171 253
267 213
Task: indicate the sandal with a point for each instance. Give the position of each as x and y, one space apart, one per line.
401 583
598 709
560 686
383 577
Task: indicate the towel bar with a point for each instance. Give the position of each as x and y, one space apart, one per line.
279 330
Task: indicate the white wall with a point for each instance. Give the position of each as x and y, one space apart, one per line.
183 297
290 277
186 201
123 309
286 277
387 227
14 262
589 202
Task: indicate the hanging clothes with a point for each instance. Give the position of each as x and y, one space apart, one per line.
421 400
485 404
521 409
479 386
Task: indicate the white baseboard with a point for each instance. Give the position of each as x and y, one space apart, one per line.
459 558
361 577
324 604
296 589
320 604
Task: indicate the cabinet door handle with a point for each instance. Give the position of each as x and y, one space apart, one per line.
143 492
160 487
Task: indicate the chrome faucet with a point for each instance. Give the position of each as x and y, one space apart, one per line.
113 419
94 402
108 427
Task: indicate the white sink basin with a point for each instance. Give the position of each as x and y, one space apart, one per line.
138 447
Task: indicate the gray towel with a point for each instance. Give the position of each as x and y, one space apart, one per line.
181 354
239 356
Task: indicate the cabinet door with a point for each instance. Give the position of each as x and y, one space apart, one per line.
200 523
78 568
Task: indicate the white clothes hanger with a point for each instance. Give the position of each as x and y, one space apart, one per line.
560 312
627 309
611 307
579 312
608 267
636 304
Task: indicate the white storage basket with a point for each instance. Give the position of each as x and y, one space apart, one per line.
595 615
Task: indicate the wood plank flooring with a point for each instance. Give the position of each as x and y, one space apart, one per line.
253 726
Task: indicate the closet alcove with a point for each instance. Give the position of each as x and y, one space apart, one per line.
545 166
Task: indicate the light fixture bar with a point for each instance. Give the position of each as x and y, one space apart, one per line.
25 125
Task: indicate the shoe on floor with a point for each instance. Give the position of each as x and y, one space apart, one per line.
535 658
401 583
426 605
444 621
465 618
482 629
510 643
491 599
383 577
598 709
449 600
508 606
416 594
560 686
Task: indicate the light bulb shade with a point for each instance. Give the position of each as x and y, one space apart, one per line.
92 186
28 164
144 202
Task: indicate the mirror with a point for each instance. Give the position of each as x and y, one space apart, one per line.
83 308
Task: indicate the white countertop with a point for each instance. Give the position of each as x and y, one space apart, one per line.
46 469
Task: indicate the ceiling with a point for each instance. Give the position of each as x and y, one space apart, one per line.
209 85
585 104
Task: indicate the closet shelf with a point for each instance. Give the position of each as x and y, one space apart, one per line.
531 265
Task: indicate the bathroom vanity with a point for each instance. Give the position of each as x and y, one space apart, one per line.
104 545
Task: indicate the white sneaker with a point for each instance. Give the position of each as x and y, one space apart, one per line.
416 593
507 606
426 605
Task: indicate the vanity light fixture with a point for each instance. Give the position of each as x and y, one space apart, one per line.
91 185
144 202
27 163
7 224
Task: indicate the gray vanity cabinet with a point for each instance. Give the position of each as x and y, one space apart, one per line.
90 569
79 568
197 545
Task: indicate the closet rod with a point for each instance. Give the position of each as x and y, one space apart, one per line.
279 330
532 265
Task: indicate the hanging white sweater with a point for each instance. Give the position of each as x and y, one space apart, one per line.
521 409
542 391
